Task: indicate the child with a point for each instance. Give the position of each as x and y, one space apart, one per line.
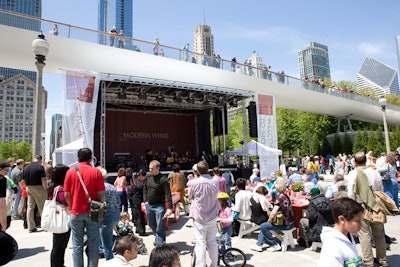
225 219
339 248
124 226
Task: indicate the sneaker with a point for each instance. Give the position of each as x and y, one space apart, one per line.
256 248
274 248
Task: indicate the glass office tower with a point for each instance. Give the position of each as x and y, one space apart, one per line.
27 7
314 62
118 13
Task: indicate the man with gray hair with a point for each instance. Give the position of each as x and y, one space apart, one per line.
333 188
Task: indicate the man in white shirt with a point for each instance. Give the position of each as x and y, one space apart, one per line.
126 249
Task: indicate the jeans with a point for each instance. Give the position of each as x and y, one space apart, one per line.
226 234
265 235
60 242
16 201
79 223
156 222
206 240
124 201
106 233
395 192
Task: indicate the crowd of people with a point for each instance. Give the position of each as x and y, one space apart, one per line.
333 215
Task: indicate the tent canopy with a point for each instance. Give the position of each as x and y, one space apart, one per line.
254 148
68 154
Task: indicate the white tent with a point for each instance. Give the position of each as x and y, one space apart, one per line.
254 148
68 154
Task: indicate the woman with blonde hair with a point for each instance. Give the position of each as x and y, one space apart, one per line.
283 205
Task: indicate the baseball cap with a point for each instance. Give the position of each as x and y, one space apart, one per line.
4 164
38 157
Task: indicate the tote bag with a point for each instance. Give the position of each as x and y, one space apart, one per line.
55 216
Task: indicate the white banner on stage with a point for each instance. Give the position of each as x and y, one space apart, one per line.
267 133
80 103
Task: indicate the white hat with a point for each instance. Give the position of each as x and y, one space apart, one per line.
195 167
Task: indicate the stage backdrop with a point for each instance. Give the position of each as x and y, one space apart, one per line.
134 132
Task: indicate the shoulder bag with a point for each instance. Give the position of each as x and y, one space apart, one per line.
55 216
386 176
97 208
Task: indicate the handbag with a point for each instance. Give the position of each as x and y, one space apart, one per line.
55 216
278 219
97 209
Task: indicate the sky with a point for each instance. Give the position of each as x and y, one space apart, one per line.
277 30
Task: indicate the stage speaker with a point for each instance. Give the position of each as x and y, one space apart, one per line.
252 115
217 121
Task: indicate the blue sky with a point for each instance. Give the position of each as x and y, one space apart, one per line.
277 30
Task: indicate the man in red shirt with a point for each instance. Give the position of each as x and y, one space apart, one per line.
79 207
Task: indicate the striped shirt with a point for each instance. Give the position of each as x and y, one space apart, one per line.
203 193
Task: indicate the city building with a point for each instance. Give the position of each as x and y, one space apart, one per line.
17 87
377 76
314 62
27 7
256 64
118 14
16 109
203 41
56 132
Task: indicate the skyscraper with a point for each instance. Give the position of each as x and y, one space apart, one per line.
118 13
397 39
18 86
314 62
27 7
203 41
377 76
56 132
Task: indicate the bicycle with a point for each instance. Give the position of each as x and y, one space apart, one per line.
231 257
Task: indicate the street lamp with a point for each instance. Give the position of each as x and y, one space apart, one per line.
40 49
383 102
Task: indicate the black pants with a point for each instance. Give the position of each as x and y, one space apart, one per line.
60 242
138 218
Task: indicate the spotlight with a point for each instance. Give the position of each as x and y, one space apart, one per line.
142 94
160 97
122 93
220 100
204 100
178 98
233 103
191 99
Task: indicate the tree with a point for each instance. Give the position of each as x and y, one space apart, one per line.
289 136
315 145
359 142
21 150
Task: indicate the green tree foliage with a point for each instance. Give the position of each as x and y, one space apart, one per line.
315 144
21 150
380 145
393 99
235 132
289 134
359 142
372 143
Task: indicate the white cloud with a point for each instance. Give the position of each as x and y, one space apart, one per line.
371 49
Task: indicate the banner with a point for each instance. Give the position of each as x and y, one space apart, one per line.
267 133
79 110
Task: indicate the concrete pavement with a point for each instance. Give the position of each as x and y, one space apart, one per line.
35 248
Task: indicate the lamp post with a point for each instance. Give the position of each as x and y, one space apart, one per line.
383 102
40 49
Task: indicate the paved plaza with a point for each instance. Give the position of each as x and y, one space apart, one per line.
34 248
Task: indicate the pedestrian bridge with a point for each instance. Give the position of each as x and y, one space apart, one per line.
77 48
